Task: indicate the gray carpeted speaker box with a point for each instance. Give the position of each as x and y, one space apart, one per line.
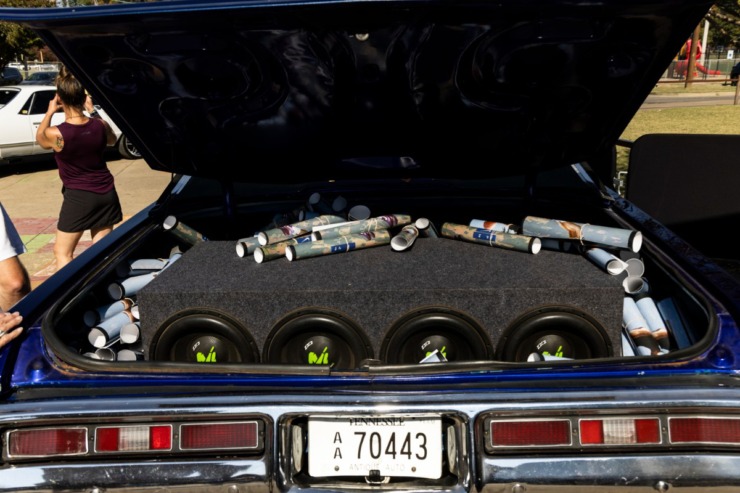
373 289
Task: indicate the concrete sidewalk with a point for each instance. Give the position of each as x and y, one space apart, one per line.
32 196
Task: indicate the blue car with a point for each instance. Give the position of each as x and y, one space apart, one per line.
391 258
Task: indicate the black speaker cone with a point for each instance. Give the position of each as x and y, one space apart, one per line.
435 334
553 333
317 337
203 336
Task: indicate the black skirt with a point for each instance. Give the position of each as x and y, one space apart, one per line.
82 210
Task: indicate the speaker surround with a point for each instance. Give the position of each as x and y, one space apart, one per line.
419 333
557 331
316 336
202 335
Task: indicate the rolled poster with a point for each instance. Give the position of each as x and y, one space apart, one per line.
655 321
493 226
426 228
182 231
363 226
338 245
602 235
508 241
277 250
108 330
405 238
247 246
140 266
92 317
606 261
296 229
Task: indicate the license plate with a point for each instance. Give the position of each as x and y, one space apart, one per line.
385 446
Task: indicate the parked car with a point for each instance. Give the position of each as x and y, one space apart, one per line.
390 259
10 76
43 77
21 109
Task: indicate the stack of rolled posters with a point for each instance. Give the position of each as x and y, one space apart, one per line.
300 228
277 250
405 238
373 224
108 331
338 245
493 226
247 246
637 328
182 231
92 317
508 241
132 285
426 228
608 262
654 320
601 235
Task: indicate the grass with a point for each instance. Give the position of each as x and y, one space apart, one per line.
724 119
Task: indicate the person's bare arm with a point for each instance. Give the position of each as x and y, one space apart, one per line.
110 136
47 136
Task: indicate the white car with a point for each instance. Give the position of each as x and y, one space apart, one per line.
21 110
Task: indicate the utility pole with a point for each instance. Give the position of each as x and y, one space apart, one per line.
692 57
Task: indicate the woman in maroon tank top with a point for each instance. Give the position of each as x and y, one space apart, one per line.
90 198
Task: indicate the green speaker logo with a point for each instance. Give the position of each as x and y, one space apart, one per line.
211 358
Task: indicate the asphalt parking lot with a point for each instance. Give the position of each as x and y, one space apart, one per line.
31 193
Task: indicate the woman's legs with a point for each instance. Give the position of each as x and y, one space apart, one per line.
98 233
64 248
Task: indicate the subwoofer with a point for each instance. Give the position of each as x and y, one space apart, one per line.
435 334
557 332
316 336
202 335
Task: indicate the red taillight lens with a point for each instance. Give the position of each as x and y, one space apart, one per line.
47 442
133 438
530 433
705 430
208 436
620 431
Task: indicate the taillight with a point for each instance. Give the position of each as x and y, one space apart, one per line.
530 433
46 442
209 436
707 430
133 438
619 431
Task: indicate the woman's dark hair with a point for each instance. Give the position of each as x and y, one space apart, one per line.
69 89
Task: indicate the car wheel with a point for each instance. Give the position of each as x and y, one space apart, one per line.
127 149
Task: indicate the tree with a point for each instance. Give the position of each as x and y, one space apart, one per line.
17 41
724 17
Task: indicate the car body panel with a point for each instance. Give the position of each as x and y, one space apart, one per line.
267 115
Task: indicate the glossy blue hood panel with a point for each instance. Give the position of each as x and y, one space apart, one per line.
289 91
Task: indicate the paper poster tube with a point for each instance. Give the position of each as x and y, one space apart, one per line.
628 346
602 235
358 213
277 250
655 322
129 355
140 266
182 231
130 286
403 240
92 317
606 261
105 354
508 241
109 329
296 229
247 246
338 245
638 330
372 224
675 323
493 226
426 228
130 332
635 285
635 267
545 357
